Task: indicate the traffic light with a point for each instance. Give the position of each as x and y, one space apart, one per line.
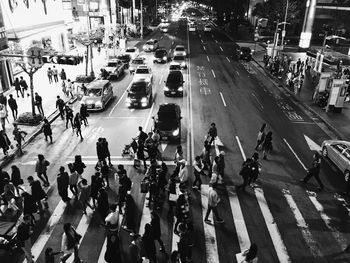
62 59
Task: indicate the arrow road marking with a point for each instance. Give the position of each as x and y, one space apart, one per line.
312 145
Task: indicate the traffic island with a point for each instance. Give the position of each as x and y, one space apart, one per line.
27 118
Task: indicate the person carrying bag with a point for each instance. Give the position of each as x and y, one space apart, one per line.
70 242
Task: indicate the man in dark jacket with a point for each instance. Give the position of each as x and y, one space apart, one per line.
69 116
246 173
62 184
60 105
142 136
213 132
13 106
24 85
155 223
37 192
124 185
23 238
39 103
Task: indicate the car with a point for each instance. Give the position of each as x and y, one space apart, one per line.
135 63
174 66
245 53
151 45
180 50
132 51
143 72
98 94
174 84
140 94
164 29
205 18
181 60
115 68
207 28
160 56
168 121
339 153
192 28
125 58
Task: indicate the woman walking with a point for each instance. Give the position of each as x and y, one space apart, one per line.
77 125
41 168
267 145
47 130
29 207
73 180
16 178
112 254
69 245
102 203
261 136
96 185
84 114
148 244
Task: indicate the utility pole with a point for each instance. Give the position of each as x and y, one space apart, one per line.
285 22
141 7
275 40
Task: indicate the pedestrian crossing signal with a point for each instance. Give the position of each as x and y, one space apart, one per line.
64 60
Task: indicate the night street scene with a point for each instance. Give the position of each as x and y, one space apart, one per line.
175 131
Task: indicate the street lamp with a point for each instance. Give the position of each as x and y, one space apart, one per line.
275 40
284 25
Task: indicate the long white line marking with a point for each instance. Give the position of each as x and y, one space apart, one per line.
221 48
261 106
223 100
123 117
296 156
211 246
237 73
212 71
241 148
275 234
328 221
173 43
190 137
238 219
228 59
145 126
204 47
176 239
120 99
312 244
93 162
202 40
216 41
208 59
160 80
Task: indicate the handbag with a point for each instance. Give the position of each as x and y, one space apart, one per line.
144 186
137 163
173 197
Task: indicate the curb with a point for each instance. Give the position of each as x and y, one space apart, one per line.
51 118
307 107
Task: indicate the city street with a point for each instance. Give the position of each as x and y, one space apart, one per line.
289 221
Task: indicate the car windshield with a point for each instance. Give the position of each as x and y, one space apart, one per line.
138 88
137 61
179 58
175 67
112 64
94 92
142 71
174 77
179 49
149 43
124 57
160 53
245 49
130 50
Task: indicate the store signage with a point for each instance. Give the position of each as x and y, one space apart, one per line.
13 4
3 37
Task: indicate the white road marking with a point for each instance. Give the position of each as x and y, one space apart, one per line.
213 73
173 43
146 216
190 137
221 48
160 80
228 59
208 59
202 40
110 113
312 145
123 117
304 228
204 47
169 50
303 122
238 219
237 73
145 126
222 98
342 241
296 156
125 161
261 106
211 247
275 234
176 239
241 148
216 41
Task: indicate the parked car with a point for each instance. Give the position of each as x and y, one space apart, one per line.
143 72
168 121
245 53
181 60
160 56
135 63
132 51
98 94
115 68
207 28
140 94
174 66
174 83
339 153
125 58
151 45
180 50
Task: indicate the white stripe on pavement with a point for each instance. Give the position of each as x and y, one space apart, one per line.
275 234
296 156
146 215
145 126
342 241
208 59
176 239
228 59
238 219
221 48
93 162
212 71
223 99
304 228
120 99
241 148
209 229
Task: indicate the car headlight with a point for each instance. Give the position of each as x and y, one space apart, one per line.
180 88
166 88
144 100
183 64
164 58
151 47
241 52
144 47
176 132
98 104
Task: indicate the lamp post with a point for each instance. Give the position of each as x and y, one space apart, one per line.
285 22
141 7
275 40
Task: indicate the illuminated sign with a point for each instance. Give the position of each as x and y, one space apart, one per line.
3 37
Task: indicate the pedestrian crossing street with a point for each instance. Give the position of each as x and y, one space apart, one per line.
249 217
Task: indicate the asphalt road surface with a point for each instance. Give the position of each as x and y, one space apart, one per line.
288 221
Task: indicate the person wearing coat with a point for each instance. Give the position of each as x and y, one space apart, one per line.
62 184
41 168
23 238
78 165
148 244
130 212
96 184
37 192
18 88
16 178
77 125
171 190
69 244
112 254
84 194
102 203
182 210
5 142
29 206
267 145
84 113
101 154
155 223
47 130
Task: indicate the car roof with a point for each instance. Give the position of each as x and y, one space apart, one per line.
207 25
160 50
178 57
179 46
97 84
174 63
151 40
139 82
168 107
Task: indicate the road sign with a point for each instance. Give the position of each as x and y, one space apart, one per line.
35 59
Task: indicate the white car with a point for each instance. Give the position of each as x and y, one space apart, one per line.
181 60
339 153
207 28
151 45
132 51
180 50
143 72
115 67
135 63
174 66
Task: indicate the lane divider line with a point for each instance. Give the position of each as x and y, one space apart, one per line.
121 97
160 80
261 106
212 71
228 59
204 47
223 100
208 59
221 48
296 156
148 118
241 148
